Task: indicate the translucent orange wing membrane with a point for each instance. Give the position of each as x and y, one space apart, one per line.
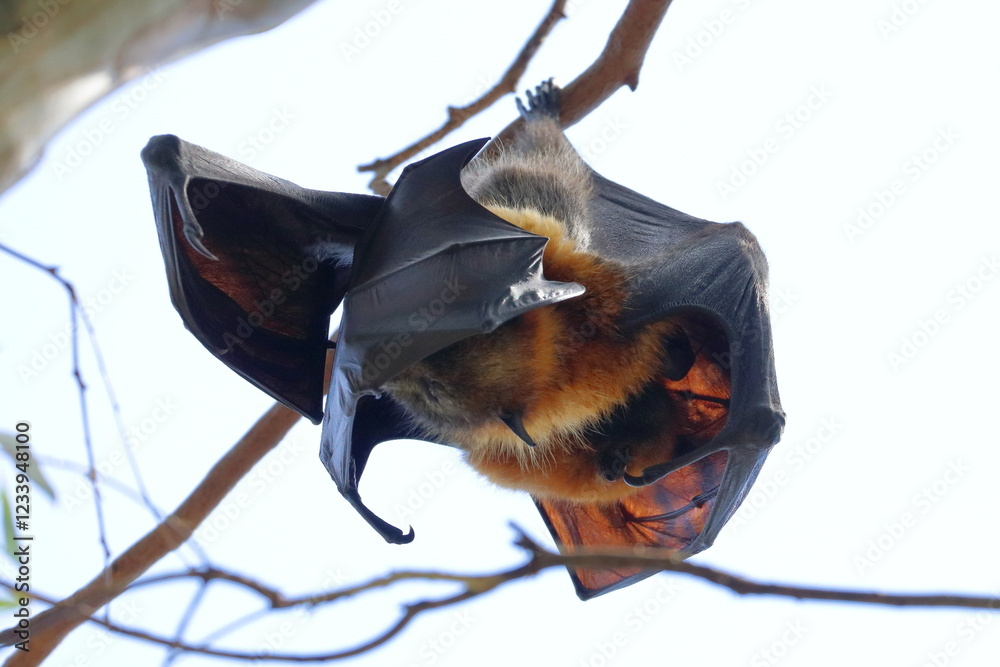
673 512
670 514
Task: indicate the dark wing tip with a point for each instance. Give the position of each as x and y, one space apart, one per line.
403 538
389 532
313 411
161 150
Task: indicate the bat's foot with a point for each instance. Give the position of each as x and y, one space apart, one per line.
612 463
542 104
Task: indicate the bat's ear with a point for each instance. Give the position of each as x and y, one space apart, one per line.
255 264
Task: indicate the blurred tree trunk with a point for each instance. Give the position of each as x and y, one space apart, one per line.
61 56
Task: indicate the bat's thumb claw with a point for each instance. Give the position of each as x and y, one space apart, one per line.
515 423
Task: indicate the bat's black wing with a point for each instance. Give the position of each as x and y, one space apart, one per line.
255 264
712 279
434 268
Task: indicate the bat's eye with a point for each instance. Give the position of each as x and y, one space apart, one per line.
433 389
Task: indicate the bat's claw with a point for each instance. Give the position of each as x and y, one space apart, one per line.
542 103
194 235
515 423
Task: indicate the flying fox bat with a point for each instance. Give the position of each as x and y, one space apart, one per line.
607 354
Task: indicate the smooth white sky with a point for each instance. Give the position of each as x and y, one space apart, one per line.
884 326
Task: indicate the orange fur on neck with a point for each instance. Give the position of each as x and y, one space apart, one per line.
582 368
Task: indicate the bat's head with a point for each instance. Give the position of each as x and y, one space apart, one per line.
471 388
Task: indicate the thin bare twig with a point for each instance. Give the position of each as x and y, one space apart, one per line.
539 559
618 65
182 627
51 462
133 465
476 585
52 625
76 308
277 600
458 115
77 314
652 560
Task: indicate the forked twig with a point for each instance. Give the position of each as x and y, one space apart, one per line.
539 559
458 115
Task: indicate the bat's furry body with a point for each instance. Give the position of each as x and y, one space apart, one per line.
659 372
564 369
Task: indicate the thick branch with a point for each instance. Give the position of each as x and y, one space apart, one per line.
618 65
52 625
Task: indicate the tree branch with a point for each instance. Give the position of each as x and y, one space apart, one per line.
458 115
618 65
652 560
52 625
